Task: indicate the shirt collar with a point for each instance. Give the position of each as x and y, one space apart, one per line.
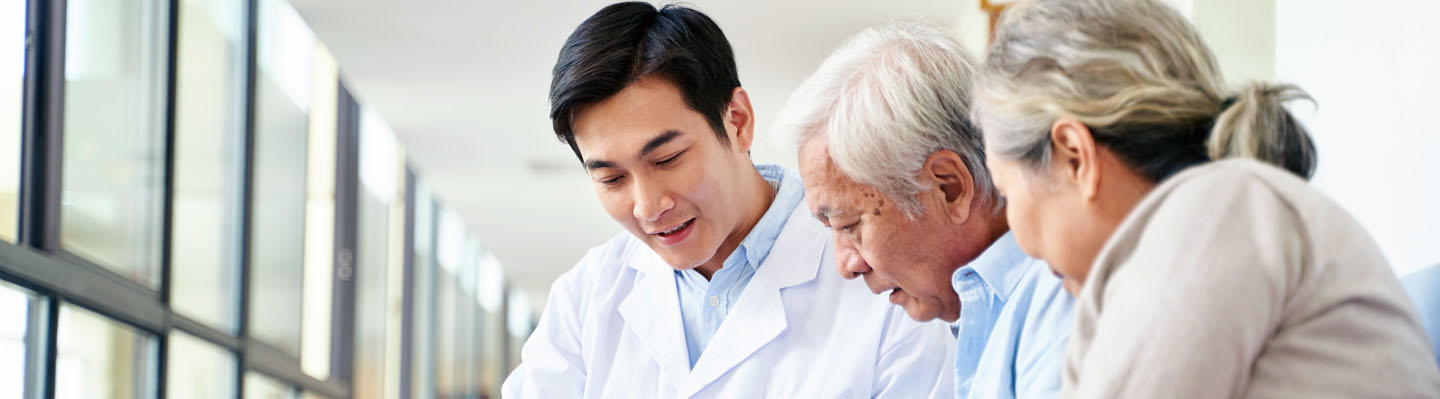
999 266
756 245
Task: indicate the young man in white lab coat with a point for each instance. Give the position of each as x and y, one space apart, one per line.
719 288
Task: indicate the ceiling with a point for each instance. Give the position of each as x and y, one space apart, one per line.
463 83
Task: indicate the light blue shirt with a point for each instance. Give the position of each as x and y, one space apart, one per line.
1014 322
1424 289
705 303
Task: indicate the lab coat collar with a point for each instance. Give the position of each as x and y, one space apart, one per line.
652 310
647 315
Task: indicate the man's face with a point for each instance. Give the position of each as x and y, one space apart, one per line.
875 240
660 172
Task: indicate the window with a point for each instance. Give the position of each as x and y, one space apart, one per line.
15 305
449 300
320 217
490 326
101 358
284 87
518 324
422 371
12 86
370 309
258 386
198 369
379 260
114 127
469 317
209 123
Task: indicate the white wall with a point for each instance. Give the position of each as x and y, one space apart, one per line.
1374 71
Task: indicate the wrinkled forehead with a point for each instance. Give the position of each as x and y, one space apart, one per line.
826 186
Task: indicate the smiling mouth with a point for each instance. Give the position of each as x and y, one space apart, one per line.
678 228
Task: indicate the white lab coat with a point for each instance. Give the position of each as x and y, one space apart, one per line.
612 329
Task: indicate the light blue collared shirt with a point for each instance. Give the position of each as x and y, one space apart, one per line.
1014 323
705 303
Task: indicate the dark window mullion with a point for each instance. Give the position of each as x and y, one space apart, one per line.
42 124
407 301
346 184
167 196
247 181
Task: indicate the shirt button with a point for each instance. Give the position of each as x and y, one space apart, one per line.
714 300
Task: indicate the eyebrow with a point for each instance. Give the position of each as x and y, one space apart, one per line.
650 146
659 140
826 212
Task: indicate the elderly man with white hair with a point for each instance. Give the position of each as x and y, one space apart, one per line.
894 167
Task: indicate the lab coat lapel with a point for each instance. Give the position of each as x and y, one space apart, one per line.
652 312
759 315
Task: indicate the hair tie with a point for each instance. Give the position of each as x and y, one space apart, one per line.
1228 102
1203 129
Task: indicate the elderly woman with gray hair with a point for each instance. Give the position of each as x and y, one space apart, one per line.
1176 209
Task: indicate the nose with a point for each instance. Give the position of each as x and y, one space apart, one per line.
848 260
651 201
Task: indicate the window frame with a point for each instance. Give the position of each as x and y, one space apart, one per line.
36 262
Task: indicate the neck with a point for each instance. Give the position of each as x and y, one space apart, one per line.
755 187
985 227
1121 189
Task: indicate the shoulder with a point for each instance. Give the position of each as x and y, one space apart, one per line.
1226 180
1229 195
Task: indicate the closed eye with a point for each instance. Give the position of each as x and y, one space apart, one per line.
669 160
612 181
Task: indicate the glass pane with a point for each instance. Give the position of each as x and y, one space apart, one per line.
490 326
102 358
12 86
517 323
451 320
379 260
14 321
320 217
209 123
422 373
283 88
114 126
258 386
198 369
370 312
468 366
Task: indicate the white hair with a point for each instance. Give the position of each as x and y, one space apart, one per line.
1140 77
886 100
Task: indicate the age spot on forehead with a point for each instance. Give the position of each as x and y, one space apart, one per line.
875 212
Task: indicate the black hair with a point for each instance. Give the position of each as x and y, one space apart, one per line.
624 42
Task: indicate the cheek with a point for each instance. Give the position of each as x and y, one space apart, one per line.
1065 232
902 256
1020 210
617 204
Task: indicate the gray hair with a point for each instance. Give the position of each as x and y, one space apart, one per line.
886 100
1138 75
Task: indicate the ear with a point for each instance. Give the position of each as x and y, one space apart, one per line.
740 119
1075 158
955 184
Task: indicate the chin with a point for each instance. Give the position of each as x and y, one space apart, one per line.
1072 286
920 313
685 258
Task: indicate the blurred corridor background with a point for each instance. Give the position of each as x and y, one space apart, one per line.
336 199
